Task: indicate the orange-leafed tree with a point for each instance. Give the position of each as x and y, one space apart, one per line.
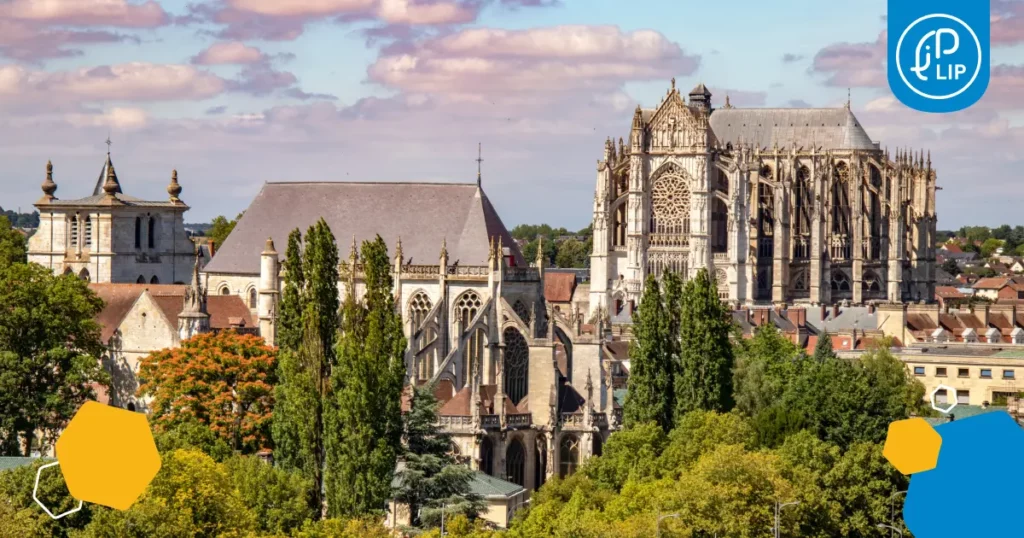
224 380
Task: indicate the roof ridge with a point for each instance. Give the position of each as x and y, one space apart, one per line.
432 183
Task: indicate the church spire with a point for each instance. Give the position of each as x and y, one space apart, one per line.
479 161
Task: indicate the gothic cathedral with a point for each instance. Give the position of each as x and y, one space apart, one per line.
782 206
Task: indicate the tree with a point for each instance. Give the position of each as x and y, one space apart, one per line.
192 495
950 266
276 497
989 247
651 372
21 516
190 434
704 377
12 244
224 380
309 325
49 354
366 418
764 364
550 250
431 476
823 350
221 228
572 254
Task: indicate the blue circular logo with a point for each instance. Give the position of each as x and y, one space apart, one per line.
939 56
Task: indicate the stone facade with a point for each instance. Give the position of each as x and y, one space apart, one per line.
110 237
780 205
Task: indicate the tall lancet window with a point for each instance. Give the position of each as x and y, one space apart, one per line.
419 307
474 354
151 230
517 365
466 308
74 231
138 232
802 207
515 463
88 232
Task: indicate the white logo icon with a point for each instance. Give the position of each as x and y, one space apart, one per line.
930 62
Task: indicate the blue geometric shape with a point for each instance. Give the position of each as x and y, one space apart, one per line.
938 53
979 471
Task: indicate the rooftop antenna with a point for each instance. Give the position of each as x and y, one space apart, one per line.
479 161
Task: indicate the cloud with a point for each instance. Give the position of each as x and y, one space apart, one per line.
488 60
117 118
740 97
216 110
261 80
425 13
135 81
853 64
790 58
117 13
1007 22
797 103
229 52
33 42
302 8
296 93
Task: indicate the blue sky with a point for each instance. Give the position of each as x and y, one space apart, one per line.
402 90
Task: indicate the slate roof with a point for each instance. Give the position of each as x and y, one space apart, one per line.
421 214
490 487
829 128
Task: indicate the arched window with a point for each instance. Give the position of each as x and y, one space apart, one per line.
68 271
466 308
141 280
74 231
619 227
841 200
872 284
151 230
568 455
799 282
670 205
138 232
598 444
540 468
515 463
84 274
719 225
419 307
517 365
131 406
487 456
520 309
803 204
252 297
88 232
840 282
474 354
224 290
722 283
154 280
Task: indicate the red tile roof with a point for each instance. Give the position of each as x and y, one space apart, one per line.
949 292
953 247
558 287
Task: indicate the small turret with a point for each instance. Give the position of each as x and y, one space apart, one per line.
111 186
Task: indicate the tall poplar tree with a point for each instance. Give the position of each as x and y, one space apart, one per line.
367 388
650 375
308 329
704 379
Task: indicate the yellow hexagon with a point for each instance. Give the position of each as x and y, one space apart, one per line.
912 446
107 455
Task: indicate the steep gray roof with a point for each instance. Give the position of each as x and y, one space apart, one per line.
829 128
98 189
421 214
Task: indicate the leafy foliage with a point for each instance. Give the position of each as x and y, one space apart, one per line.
365 407
49 354
12 244
651 368
276 497
559 250
21 516
21 220
220 228
431 477
224 380
704 376
190 434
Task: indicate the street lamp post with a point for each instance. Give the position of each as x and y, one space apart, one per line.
657 526
892 510
883 526
778 510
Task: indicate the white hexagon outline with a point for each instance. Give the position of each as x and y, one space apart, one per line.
931 398
35 489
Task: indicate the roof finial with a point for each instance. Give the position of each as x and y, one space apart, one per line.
728 104
174 189
49 187
849 97
111 186
673 83
444 248
479 161
353 254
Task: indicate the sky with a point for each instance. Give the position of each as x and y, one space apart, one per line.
236 93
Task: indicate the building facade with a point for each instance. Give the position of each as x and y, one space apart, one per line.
111 237
523 387
780 205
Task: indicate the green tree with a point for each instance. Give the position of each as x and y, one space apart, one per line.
572 254
950 266
12 244
431 476
629 455
190 434
221 228
548 246
366 419
276 497
49 354
764 363
224 380
823 348
306 359
989 247
192 495
651 369
21 516
704 377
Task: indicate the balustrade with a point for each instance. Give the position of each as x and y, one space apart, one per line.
668 240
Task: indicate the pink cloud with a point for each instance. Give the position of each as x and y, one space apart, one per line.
853 64
24 41
227 53
302 8
262 80
135 81
739 97
87 12
485 60
1007 22
427 13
